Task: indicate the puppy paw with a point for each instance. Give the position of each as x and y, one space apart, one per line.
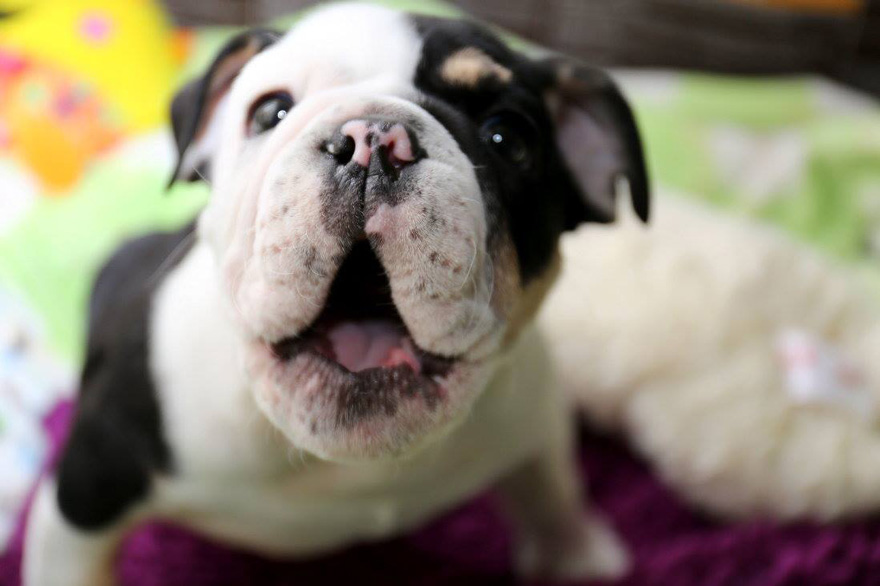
588 551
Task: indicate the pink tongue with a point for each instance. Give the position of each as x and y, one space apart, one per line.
370 344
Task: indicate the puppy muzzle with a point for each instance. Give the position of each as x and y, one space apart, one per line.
368 283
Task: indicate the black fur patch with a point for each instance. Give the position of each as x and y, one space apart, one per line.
116 443
536 204
529 204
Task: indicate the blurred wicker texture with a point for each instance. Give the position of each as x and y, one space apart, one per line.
839 38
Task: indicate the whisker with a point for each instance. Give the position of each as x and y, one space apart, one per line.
467 274
234 288
173 256
202 176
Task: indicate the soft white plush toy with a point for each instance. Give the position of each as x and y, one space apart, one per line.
743 365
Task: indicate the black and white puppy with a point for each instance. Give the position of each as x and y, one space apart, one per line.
341 347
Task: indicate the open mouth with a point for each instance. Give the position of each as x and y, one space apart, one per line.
360 331
354 384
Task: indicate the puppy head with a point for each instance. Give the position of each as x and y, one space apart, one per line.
388 192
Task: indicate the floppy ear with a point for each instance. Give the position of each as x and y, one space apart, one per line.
597 136
194 106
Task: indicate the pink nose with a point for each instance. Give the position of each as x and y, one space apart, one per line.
390 142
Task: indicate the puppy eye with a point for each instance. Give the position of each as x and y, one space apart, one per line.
268 111
509 137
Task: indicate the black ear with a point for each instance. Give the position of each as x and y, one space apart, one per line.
597 136
196 102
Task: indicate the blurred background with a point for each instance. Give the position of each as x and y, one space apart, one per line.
765 109
839 38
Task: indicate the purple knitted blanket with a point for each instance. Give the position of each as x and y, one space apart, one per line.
672 545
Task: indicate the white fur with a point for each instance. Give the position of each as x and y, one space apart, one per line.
669 333
332 56
197 364
58 554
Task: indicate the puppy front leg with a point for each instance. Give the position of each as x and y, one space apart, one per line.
59 554
557 537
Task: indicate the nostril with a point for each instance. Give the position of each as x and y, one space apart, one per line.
341 148
393 156
399 146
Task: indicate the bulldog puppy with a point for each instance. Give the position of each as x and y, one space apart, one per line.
340 348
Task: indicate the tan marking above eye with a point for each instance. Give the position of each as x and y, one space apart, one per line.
466 67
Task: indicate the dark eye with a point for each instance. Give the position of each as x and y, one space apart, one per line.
268 111
509 137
